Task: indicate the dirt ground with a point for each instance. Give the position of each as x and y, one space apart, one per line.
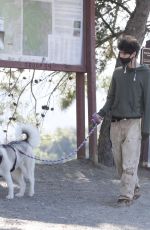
75 196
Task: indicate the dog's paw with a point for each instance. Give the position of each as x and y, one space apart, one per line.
9 197
31 194
19 194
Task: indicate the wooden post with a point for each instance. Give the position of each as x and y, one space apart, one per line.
80 113
91 75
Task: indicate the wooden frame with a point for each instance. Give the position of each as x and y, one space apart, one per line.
42 66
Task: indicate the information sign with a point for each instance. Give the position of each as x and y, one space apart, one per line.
41 32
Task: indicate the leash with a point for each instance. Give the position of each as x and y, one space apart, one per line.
61 160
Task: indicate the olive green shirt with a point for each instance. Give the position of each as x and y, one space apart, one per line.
129 95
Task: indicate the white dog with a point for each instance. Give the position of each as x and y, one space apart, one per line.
15 165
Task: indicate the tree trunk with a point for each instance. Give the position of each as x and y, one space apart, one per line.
104 144
136 26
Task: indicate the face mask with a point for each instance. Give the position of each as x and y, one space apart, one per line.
125 61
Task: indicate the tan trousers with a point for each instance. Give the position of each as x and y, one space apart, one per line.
126 143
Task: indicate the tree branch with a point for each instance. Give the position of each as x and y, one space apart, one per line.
106 39
121 5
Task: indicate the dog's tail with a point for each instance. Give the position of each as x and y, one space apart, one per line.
31 134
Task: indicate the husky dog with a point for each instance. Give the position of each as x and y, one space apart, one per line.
15 165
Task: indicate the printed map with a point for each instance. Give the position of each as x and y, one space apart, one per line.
26 26
41 31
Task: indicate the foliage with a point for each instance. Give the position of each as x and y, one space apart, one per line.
115 17
108 28
105 82
28 95
57 145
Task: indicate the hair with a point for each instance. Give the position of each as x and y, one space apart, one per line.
128 44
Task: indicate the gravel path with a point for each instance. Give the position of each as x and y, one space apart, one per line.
75 196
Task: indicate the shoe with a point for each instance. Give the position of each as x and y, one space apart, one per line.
136 193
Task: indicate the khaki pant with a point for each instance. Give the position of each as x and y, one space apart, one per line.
126 143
